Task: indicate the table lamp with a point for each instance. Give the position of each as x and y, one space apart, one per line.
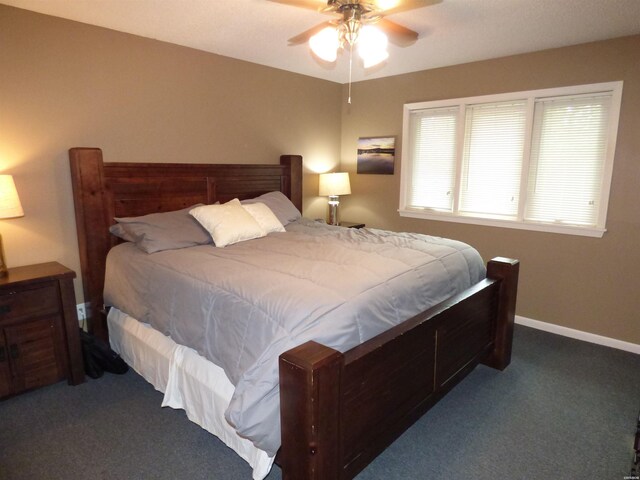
10 207
333 185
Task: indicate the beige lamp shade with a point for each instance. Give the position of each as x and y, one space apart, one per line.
334 184
10 206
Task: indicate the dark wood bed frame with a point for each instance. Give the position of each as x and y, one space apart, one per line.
338 410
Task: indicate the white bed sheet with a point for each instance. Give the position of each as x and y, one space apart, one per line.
188 381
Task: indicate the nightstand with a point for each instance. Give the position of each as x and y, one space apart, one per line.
351 225
39 331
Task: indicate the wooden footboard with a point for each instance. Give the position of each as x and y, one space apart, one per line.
339 411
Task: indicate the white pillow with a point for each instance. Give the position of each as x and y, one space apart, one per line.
264 216
228 223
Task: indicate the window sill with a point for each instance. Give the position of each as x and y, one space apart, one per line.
489 222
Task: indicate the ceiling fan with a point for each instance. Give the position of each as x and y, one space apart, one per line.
353 25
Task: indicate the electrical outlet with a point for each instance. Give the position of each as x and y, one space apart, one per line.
82 312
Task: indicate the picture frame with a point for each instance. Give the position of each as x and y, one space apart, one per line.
376 155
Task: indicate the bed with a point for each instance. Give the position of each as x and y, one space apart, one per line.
338 409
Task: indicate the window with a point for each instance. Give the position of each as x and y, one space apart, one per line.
538 160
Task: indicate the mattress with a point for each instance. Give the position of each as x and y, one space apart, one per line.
243 305
188 381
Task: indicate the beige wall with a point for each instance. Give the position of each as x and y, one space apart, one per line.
582 283
65 84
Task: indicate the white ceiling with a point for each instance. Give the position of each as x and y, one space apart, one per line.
452 32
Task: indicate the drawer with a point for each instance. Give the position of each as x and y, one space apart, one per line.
42 300
35 352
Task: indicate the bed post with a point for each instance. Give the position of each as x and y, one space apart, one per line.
310 412
506 270
92 222
293 182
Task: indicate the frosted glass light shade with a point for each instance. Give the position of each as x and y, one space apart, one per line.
372 46
325 44
333 184
10 206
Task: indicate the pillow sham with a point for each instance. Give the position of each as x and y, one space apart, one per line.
264 216
279 204
228 223
162 231
118 230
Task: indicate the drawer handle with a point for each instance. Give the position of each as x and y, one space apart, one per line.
5 309
13 351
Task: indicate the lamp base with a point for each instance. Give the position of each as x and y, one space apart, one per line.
333 210
3 264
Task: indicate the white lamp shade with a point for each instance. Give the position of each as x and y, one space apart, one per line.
372 46
332 184
325 44
10 206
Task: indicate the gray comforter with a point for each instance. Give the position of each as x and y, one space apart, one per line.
243 305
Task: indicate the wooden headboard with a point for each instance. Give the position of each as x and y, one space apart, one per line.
102 191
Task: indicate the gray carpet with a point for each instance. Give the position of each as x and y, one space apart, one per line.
563 409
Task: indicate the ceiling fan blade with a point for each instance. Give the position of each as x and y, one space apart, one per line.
305 36
316 5
389 7
399 35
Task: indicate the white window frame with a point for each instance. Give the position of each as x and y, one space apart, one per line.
615 88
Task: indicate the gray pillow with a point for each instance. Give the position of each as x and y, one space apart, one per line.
118 230
279 204
162 231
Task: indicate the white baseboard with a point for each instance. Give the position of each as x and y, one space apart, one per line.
579 335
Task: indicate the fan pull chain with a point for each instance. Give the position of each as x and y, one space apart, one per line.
350 64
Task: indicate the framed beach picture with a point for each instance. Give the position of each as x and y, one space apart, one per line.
376 155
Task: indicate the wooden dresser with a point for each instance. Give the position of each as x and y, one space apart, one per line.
39 335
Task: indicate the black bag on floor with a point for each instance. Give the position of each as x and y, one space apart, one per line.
99 358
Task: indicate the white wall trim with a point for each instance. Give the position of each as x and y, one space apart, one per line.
579 335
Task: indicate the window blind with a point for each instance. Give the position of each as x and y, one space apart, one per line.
433 158
567 159
492 159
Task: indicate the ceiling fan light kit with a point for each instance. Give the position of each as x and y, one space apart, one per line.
353 26
371 43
